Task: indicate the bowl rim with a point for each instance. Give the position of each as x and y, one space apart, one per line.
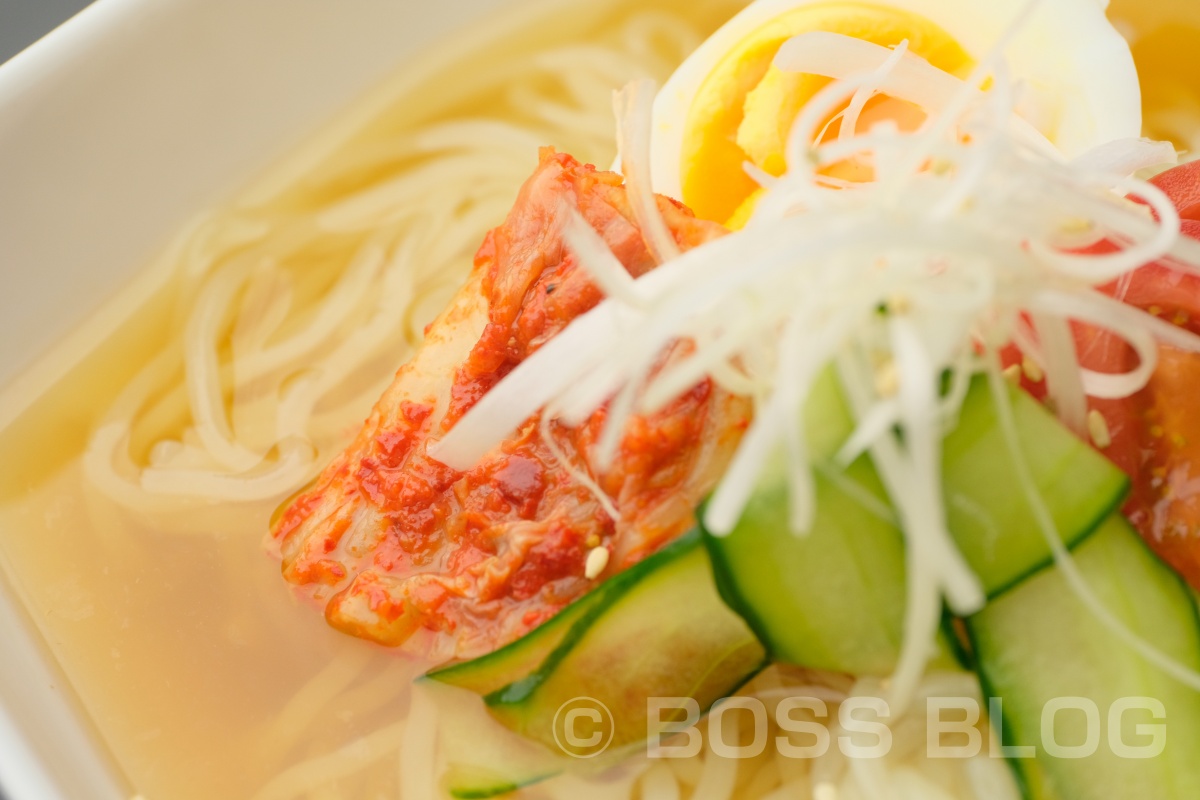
24 771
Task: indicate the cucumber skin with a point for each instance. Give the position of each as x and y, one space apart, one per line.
507 674
1002 725
483 758
976 449
1080 507
727 589
494 791
1031 776
519 690
508 705
508 660
866 643
729 652
501 667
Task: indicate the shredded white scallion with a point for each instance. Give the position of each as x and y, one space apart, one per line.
969 237
1062 557
634 105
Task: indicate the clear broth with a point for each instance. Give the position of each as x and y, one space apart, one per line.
199 670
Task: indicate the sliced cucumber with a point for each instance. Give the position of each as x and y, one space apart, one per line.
834 599
520 659
665 634
483 758
659 629
1038 643
514 661
991 523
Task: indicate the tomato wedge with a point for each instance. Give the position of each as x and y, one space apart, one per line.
1154 435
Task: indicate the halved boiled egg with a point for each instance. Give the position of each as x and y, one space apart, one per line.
727 104
1165 38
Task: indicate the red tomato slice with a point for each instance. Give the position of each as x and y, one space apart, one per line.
1155 434
1165 500
1162 454
1182 185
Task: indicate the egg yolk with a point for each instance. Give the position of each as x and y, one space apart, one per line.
1165 37
745 107
1165 60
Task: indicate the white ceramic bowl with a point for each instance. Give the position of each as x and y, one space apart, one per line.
113 131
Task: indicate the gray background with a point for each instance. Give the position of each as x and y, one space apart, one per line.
23 22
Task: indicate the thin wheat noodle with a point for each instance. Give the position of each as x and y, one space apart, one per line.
293 719
346 760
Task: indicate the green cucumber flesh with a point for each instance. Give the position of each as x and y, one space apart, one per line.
520 659
666 634
992 524
834 597
1039 642
514 661
483 758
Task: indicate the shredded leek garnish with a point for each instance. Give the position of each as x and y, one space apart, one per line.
972 226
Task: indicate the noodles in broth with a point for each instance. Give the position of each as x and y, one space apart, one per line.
282 317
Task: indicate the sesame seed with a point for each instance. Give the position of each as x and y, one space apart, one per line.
597 560
1076 225
1013 372
1098 428
1032 370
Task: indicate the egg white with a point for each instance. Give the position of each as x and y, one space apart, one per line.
1076 77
